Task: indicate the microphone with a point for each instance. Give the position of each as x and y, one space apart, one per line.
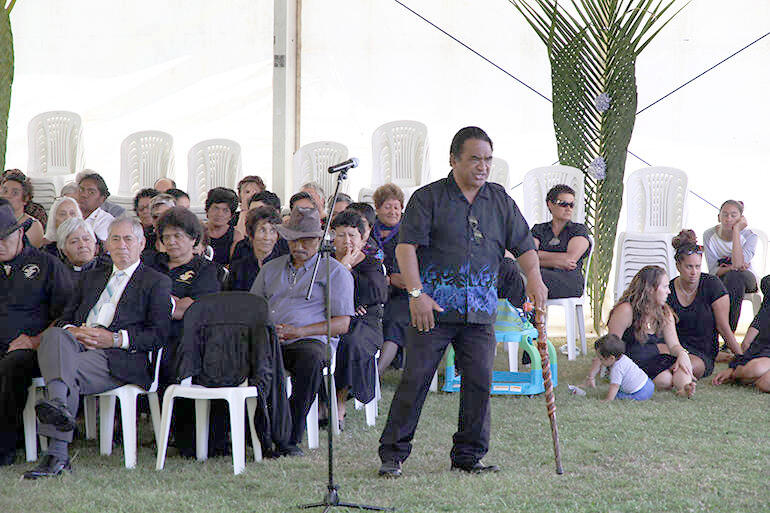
344 166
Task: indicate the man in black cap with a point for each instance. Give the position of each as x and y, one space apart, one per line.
301 324
34 287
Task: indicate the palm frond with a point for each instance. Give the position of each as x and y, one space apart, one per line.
6 78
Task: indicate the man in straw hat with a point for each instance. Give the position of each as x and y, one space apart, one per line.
301 324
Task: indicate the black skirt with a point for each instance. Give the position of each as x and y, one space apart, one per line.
755 350
656 364
396 319
355 368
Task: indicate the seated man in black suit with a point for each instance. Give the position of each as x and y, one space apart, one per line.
117 316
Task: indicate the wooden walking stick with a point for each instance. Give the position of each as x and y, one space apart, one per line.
542 347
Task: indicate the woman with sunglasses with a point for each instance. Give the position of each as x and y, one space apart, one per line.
701 304
562 245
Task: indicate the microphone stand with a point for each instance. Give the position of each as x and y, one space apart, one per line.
331 499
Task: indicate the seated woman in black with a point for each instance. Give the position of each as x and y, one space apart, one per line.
221 205
261 199
77 246
355 370
191 277
18 190
701 304
562 245
262 236
753 366
643 320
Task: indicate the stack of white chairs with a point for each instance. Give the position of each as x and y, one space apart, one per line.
539 181
212 163
500 173
635 250
399 156
44 192
144 157
55 147
312 161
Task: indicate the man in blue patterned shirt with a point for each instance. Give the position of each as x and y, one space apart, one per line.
453 237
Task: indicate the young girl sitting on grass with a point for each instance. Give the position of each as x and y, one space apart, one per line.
627 380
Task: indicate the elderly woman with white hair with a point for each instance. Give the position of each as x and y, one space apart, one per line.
62 209
76 241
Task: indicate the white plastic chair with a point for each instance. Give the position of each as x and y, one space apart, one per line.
573 310
371 410
311 421
759 266
312 162
29 418
500 173
127 394
636 250
235 397
55 145
212 163
126 202
539 181
145 157
400 156
656 198
44 191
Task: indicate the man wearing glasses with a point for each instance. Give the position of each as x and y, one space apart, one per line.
452 240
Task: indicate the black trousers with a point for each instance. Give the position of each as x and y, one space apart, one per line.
304 360
738 283
474 346
17 369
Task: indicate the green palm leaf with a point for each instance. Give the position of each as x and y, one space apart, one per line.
6 77
592 46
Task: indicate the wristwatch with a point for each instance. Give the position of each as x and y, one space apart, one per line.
415 293
117 340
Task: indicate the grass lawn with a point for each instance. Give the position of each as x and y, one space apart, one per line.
710 453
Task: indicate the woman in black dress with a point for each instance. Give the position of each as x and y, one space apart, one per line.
355 370
17 189
701 304
643 320
191 277
221 205
263 237
753 366
562 245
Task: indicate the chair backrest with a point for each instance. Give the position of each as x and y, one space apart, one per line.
539 181
400 154
55 144
636 250
759 262
145 157
312 161
212 163
44 192
500 173
655 200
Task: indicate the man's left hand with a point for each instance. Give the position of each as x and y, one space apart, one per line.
289 332
96 338
24 342
537 292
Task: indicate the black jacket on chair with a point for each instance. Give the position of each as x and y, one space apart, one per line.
144 311
228 338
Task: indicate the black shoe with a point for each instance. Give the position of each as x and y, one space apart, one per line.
55 413
391 469
476 468
7 458
49 466
291 451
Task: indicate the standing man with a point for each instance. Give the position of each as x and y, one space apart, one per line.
452 239
118 315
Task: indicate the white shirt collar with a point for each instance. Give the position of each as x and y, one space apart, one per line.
128 270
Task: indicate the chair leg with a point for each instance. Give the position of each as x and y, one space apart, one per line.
238 433
202 407
127 400
30 425
89 412
569 316
106 423
513 355
165 426
581 324
312 425
434 383
152 398
251 407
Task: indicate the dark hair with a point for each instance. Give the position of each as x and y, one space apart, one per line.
366 211
100 183
149 192
610 345
251 179
182 218
17 176
177 193
341 198
253 218
268 197
222 195
299 196
639 294
469 132
561 188
685 244
387 192
737 204
349 218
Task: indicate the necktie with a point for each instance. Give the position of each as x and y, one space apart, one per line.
105 297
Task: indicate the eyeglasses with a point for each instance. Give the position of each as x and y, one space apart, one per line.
477 235
565 204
